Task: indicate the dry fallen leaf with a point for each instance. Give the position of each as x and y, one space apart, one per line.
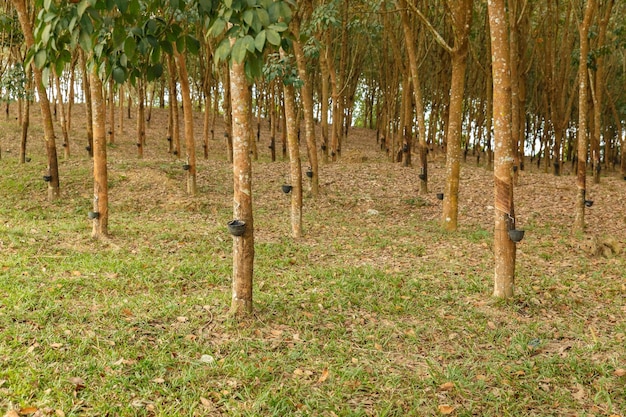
59 413
28 410
158 380
11 413
324 376
446 409
447 386
619 372
181 319
580 394
491 325
78 382
56 345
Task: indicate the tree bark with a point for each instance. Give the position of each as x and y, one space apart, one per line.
461 15
111 111
141 125
581 177
61 105
294 159
306 93
88 103
175 129
504 248
26 119
418 97
100 176
598 88
243 246
188 117
48 126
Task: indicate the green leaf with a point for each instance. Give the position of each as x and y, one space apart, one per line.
239 51
122 5
134 7
40 58
45 34
154 72
70 27
167 47
253 67
264 18
85 41
130 47
180 44
273 37
223 51
279 26
45 76
259 41
65 56
59 66
218 27
248 43
175 4
228 3
205 5
248 17
119 75
193 46
155 55
47 4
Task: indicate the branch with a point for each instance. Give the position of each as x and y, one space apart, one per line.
440 40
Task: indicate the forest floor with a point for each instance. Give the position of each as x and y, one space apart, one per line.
374 312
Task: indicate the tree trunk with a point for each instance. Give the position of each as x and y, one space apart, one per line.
88 103
306 93
504 247
294 159
100 184
121 111
325 87
174 107
581 178
417 93
228 134
243 246
66 138
26 118
111 111
71 93
598 88
48 126
188 116
141 126
462 16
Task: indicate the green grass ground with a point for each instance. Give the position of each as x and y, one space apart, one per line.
368 315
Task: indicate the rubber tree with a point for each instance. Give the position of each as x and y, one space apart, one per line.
119 40
249 32
282 67
40 58
461 17
306 92
409 41
504 247
582 132
597 83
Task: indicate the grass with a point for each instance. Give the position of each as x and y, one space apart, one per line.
368 315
